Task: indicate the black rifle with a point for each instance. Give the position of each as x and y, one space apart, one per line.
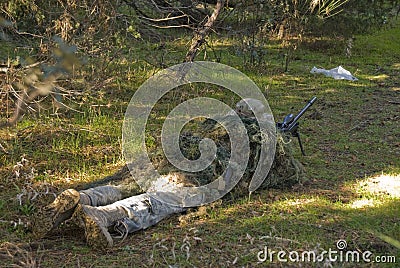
291 126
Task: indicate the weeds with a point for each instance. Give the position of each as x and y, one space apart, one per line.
15 256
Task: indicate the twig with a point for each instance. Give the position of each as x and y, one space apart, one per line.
66 106
31 34
279 238
167 26
4 69
33 64
3 149
359 126
163 19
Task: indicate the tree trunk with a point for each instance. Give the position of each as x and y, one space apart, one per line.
201 33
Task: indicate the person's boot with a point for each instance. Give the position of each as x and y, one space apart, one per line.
55 213
96 221
64 205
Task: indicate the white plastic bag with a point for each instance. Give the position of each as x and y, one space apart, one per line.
336 73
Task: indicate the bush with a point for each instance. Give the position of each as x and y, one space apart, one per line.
357 17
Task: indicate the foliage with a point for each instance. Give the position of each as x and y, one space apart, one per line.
358 17
41 69
30 80
68 19
81 21
256 22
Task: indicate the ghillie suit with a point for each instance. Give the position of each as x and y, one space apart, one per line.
285 172
115 206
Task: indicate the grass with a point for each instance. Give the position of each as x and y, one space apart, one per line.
351 137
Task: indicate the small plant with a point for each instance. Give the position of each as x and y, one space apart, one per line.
27 209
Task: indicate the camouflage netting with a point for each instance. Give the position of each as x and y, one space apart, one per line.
285 172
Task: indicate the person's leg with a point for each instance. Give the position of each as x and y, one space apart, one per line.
101 195
64 205
122 217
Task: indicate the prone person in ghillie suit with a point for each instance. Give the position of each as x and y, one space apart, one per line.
116 206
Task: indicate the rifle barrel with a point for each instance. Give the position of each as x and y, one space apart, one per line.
308 105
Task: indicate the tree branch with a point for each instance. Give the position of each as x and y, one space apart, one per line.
201 34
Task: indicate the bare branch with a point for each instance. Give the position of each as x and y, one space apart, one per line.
163 19
199 37
166 13
167 26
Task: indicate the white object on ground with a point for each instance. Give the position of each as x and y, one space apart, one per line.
336 73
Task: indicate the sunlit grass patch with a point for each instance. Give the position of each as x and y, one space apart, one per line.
379 77
384 184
